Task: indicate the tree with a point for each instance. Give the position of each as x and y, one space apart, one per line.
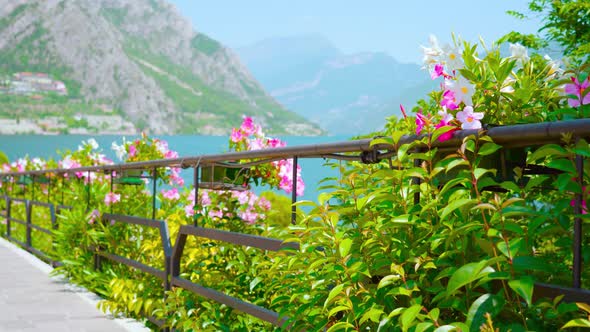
566 22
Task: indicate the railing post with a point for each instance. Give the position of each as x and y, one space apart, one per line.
8 216
28 211
196 188
294 192
154 188
577 246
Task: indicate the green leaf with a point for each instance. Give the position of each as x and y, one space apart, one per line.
455 163
546 150
388 280
565 165
479 172
345 247
486 303
254 282
579 322
340 326
460 203
511 249
523 287
409 315
337 309
333 293
488 149
464 275
373 315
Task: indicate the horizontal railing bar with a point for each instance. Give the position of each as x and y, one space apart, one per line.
246 307
131 220
135 264
22 244
18 200
39 253
533 133
18 221
553 291
238 238
41 229
64 207
154 320
38 203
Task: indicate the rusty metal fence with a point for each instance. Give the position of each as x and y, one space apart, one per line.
356 150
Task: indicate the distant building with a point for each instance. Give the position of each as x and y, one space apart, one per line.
26 83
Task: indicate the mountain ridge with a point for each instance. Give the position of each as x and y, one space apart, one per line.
143 59
343 93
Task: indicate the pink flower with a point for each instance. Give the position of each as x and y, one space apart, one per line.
93 216
236 135
580 91
250 216
421 121
161 146
171 194
175 177
438 71
189 210
111 198
215 214
469 119
132 150
401 107
248 127
171 154
264 203
449 100
300 186
256 144
276 143
584 207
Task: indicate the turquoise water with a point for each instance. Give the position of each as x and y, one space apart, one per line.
47 146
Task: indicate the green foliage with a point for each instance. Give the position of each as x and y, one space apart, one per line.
205 44
201 105
565 22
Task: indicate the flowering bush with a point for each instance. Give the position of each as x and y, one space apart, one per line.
278 174
496 90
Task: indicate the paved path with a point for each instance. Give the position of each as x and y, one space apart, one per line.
30 300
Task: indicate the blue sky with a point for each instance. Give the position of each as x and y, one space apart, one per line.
395 27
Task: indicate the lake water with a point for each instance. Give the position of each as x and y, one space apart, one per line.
47 146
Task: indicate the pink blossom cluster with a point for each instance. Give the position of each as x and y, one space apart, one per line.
457 93
579 93
250 207
249 137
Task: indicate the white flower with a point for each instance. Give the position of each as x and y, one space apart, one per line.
507 85
452 57
462 89
519 52
431 53
553 64
92 142
469 119
120 150
444 116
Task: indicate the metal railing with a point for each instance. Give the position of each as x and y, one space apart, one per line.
509 136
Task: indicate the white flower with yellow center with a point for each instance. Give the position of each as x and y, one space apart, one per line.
452 58
462 89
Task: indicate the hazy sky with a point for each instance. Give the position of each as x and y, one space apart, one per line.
396 27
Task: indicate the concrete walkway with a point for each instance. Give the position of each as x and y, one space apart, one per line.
31 300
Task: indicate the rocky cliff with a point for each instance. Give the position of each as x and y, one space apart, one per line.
143 59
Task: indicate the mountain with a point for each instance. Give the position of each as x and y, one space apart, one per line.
131 61
344 93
